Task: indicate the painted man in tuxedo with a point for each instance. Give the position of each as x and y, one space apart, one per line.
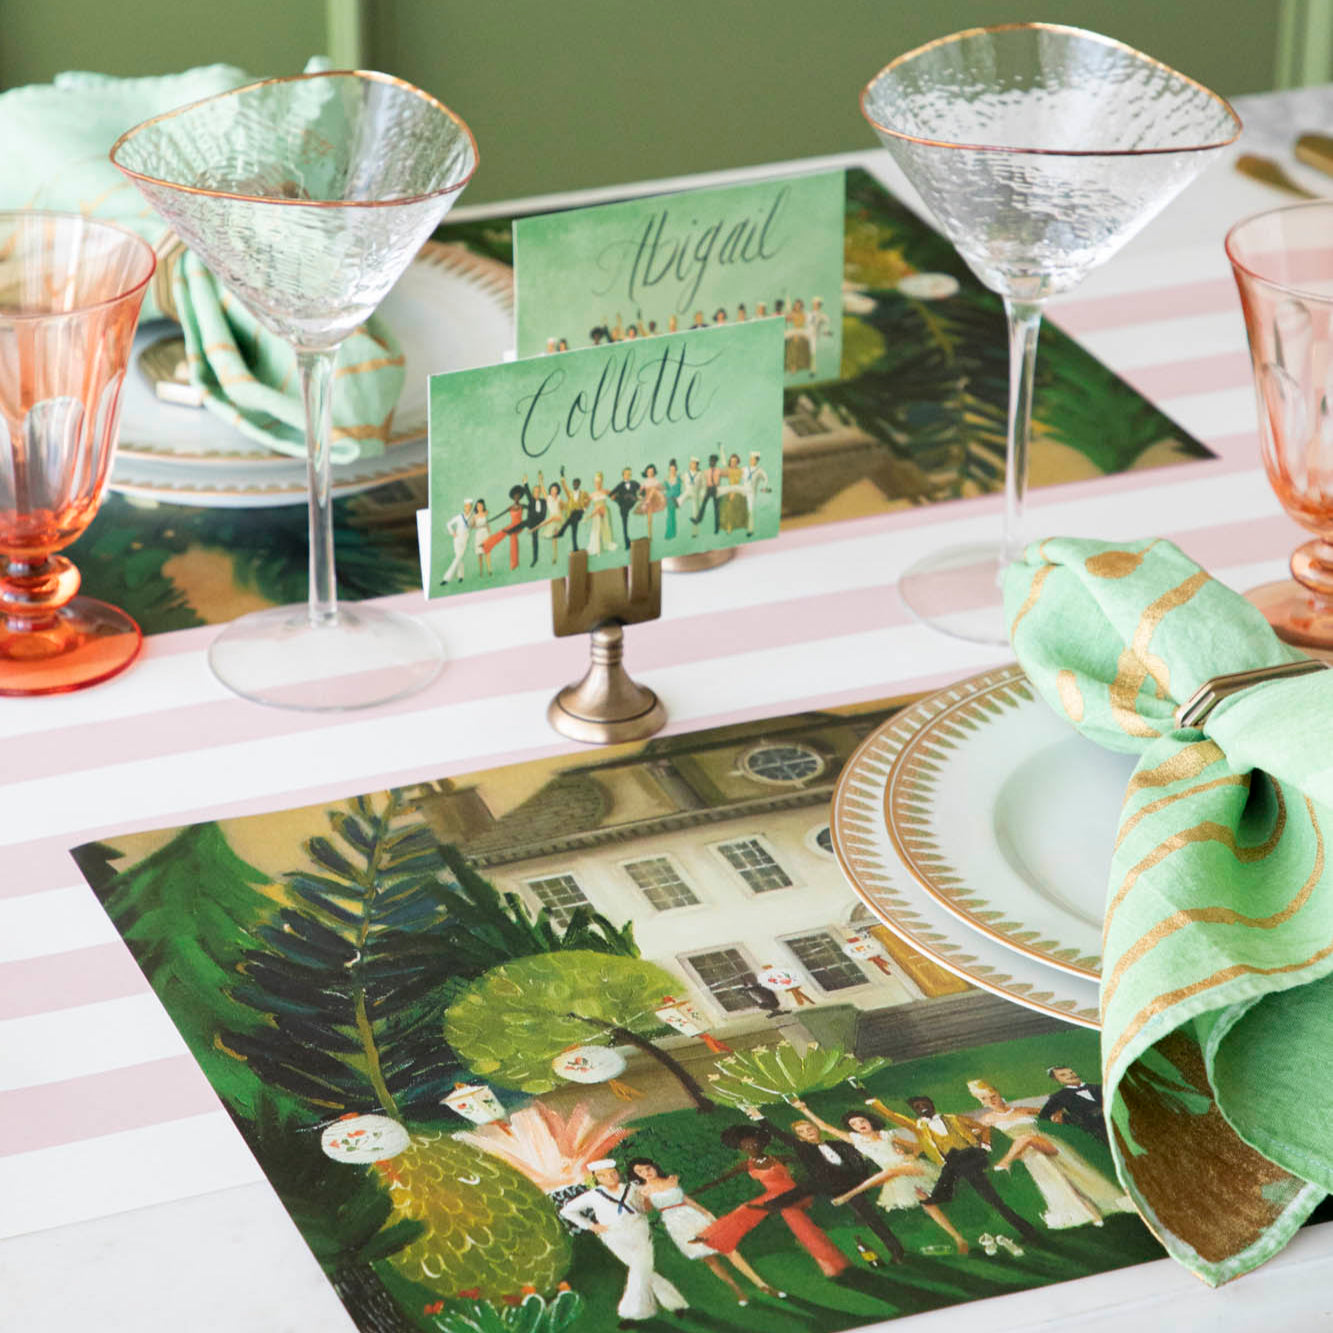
828 1169
535 514
1076 1103
626 496
711 481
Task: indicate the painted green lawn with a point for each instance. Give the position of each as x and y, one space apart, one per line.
687 1142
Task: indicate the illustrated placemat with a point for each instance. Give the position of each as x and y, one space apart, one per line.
917 417
594 1039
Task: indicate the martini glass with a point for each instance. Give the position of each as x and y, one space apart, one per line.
1040 150
307 197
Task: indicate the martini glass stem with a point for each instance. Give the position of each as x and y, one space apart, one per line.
317 390
1024 327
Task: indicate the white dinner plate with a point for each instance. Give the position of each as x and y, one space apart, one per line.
1007 817
871 863
451 310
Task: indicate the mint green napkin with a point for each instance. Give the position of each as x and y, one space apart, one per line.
1217 1008
56 138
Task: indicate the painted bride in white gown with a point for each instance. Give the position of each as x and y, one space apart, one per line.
1074 1192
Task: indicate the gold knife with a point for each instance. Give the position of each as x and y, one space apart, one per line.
1316 150
1268 172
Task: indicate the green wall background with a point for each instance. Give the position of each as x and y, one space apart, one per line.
595 92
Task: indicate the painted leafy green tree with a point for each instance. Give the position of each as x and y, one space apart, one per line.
348 975
765 1074
346 1217
190 912
488 1229
514 1020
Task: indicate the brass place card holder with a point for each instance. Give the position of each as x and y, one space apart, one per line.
606 706
698 560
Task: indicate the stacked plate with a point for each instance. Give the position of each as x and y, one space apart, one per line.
451 310
979 828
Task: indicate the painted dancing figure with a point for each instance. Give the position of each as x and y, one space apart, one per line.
712 479
960 1147
614 1211
576 501
1077 1103
683 1219
770 1173
625 494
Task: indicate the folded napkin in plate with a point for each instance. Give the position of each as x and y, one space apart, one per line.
1217 1004
56 139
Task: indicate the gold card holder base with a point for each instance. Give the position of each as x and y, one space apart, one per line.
606 706
692 564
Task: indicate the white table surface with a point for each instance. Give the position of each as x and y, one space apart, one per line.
140 1209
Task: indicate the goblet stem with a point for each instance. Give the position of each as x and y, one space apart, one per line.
317 391
1024 327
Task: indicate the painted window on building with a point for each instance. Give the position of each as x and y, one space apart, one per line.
782 764
754 863
561 894
726 973
822 839
661 882
820 953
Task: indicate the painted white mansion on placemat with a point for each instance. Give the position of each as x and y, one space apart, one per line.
716 845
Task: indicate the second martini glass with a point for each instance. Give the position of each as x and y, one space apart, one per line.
307 197
1040 150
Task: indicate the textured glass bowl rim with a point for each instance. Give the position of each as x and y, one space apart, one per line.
97 224
369 75
1048 152
1323 298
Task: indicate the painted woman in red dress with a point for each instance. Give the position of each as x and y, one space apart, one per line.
769 1172
512 528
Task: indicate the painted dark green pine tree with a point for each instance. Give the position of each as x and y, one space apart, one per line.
189 913
348 976
383 931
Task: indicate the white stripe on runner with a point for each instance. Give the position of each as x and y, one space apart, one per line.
56 921
89 1039
118 1172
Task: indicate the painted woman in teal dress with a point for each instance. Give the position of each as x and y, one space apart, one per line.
673 489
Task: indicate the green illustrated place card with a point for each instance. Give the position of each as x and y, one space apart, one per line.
676 439
668 263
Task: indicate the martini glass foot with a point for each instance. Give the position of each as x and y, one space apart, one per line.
365 656
86 641
957 591
1297 616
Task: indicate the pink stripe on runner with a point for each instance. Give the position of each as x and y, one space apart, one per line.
67 980
1204 374
135 1097
541 665
1112 312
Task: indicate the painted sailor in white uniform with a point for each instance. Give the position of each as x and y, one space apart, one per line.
459 528
614 1210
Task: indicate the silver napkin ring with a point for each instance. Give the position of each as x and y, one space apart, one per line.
1194 711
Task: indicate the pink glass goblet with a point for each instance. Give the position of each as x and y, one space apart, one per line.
1283 264
70 291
